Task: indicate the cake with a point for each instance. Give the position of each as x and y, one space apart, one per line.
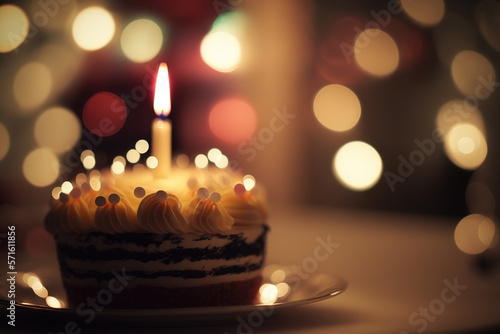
194 239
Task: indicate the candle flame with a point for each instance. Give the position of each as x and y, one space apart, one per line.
161 102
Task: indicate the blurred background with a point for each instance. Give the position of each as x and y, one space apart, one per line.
369 105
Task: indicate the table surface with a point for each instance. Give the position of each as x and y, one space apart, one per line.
405 275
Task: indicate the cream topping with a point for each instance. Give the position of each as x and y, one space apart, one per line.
116 215
161 213
205 215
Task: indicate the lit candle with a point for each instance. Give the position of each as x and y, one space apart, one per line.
161 128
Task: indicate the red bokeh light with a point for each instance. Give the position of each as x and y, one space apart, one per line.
104 114
232 120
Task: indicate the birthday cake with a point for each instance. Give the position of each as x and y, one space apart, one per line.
196 238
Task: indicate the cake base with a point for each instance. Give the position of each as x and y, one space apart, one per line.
144 297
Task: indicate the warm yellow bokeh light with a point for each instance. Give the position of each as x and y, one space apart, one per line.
214 154
357 166
66 187
56 192
425 12
41 167
53 302
14 26
141 40
222 162
57 129
117 168
465 146
337 107
268 293
142 146
221 51
93 28
88 162
470 71
456 112
249 182
133 156
32 85
487 14
4 141
474 234
201 161
152 162
376 52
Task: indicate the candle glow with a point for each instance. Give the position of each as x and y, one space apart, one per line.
161 128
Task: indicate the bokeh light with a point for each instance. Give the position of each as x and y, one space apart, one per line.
232 120
57 128
465 146
357 166
487 14
474 234
133 156
41 167
141 40
56 192
214 154
93 28
222 162
142 146
249 182
66 187
152 162
425 12
201 161
221 51
337 107
376 52
32 85
470 70
14 26
456 112
117 168
88 162
268 293
104 114
4 141
53 302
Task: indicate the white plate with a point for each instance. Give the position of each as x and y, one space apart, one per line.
315 288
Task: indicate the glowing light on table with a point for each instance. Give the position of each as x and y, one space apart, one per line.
53 302
474 234
221 51
357 166
141 40
232 120
142 146
5 140
337 107
268 293
41 167
487 14
32 86
93 28
469 70
376 52
465 146
57 129
14 26
425 12
161 127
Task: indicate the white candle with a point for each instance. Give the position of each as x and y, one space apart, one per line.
161 128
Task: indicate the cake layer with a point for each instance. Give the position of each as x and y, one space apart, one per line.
222 294
169 260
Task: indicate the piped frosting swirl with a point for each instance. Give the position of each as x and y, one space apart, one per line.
161 213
